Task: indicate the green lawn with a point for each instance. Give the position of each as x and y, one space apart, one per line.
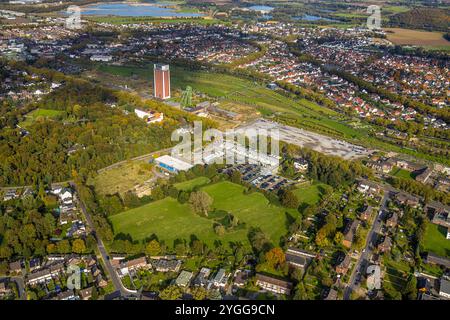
310 194
40 113
170 220
191 184
401 173
435 240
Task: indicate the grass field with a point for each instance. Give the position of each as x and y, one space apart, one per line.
170 220
40 113
191 184
122 178
401 173
309 194
416 37
435 240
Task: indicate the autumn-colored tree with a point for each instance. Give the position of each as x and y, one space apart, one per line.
275 257
199 293
200 202
78 246
170 293
153 248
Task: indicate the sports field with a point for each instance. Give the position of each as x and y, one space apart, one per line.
435 240
170 220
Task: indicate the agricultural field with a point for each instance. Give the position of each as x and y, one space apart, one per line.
401 36
122 178
436 241
191 184
40 114
170 220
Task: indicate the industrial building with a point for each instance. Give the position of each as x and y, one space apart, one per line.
172 164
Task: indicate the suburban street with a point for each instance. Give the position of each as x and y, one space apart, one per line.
20 286
362 263
124 292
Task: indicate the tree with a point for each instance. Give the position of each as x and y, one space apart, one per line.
300 292
200 202
78 246
338 238
153 248
171 293
410 290
289 199
199 293
219 230
275 257
63 246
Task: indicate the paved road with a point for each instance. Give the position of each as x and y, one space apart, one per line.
20 286
363 260
118 285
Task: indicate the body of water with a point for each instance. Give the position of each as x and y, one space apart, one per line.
134 10
261 8
308 17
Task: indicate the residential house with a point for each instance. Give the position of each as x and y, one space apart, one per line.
273 284
15 267
403 198
301 165
366 213
66 295
349 232
392 220
220 279
184 278
424 176
164 265
331 294
297 258
202 278
241 277
86 294
343 267
35 263
431 258
385 245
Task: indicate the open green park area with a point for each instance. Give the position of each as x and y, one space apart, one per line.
310 194
170 220
40 114
435 240
191 184
401 173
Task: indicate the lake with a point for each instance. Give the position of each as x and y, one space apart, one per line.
135 10
261 8
308 17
